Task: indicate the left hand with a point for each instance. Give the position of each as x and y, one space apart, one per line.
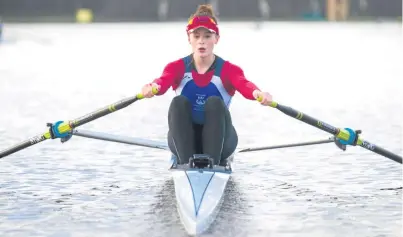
265 97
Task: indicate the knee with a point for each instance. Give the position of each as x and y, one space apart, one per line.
180 101
214 103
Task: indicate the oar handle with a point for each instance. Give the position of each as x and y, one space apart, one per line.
141 96
271 104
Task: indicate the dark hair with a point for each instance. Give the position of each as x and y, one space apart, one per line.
204 10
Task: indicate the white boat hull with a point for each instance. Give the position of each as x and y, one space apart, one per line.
199 194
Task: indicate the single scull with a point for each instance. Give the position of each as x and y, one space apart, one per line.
199 185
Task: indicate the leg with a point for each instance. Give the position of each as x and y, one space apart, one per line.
181 134
214 128
230 140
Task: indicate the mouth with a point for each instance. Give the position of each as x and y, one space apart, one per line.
202 50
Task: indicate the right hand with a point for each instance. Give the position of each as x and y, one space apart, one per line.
264 97
147 90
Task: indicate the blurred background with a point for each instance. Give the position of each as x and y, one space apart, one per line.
176 10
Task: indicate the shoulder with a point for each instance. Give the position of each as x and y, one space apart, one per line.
230 68
175 65
175 62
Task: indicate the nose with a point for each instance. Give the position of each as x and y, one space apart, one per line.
201 40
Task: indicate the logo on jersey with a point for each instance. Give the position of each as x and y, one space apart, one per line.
200 99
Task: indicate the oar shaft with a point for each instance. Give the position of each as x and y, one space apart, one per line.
339 133
308 119
103 111
22 145
379 150
67 126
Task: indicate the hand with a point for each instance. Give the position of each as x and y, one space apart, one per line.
264 97
147 90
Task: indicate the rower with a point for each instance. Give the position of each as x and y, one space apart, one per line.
198 119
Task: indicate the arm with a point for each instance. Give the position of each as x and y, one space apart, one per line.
240 83
168 76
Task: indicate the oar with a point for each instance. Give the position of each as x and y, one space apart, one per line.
345 136
63 129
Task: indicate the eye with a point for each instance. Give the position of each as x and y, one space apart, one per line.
207 36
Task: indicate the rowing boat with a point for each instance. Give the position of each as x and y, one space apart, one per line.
199 185
199 190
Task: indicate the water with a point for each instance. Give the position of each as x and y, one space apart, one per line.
346 75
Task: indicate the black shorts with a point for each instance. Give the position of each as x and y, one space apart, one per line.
217 137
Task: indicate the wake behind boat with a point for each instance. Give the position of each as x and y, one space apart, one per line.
199 184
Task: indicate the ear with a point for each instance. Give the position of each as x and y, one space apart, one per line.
217 38
189 38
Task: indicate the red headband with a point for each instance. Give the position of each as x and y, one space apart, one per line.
202 21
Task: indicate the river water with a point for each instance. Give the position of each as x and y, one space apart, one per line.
347 75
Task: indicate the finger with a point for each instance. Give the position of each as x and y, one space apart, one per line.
261 98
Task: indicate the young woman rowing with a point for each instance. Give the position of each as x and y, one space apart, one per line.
198 119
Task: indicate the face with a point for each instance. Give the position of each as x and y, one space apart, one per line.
202 42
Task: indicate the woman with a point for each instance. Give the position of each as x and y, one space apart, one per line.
199 120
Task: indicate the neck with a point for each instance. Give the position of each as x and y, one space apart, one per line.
203 64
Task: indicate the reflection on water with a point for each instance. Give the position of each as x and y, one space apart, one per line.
164 214
232 220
